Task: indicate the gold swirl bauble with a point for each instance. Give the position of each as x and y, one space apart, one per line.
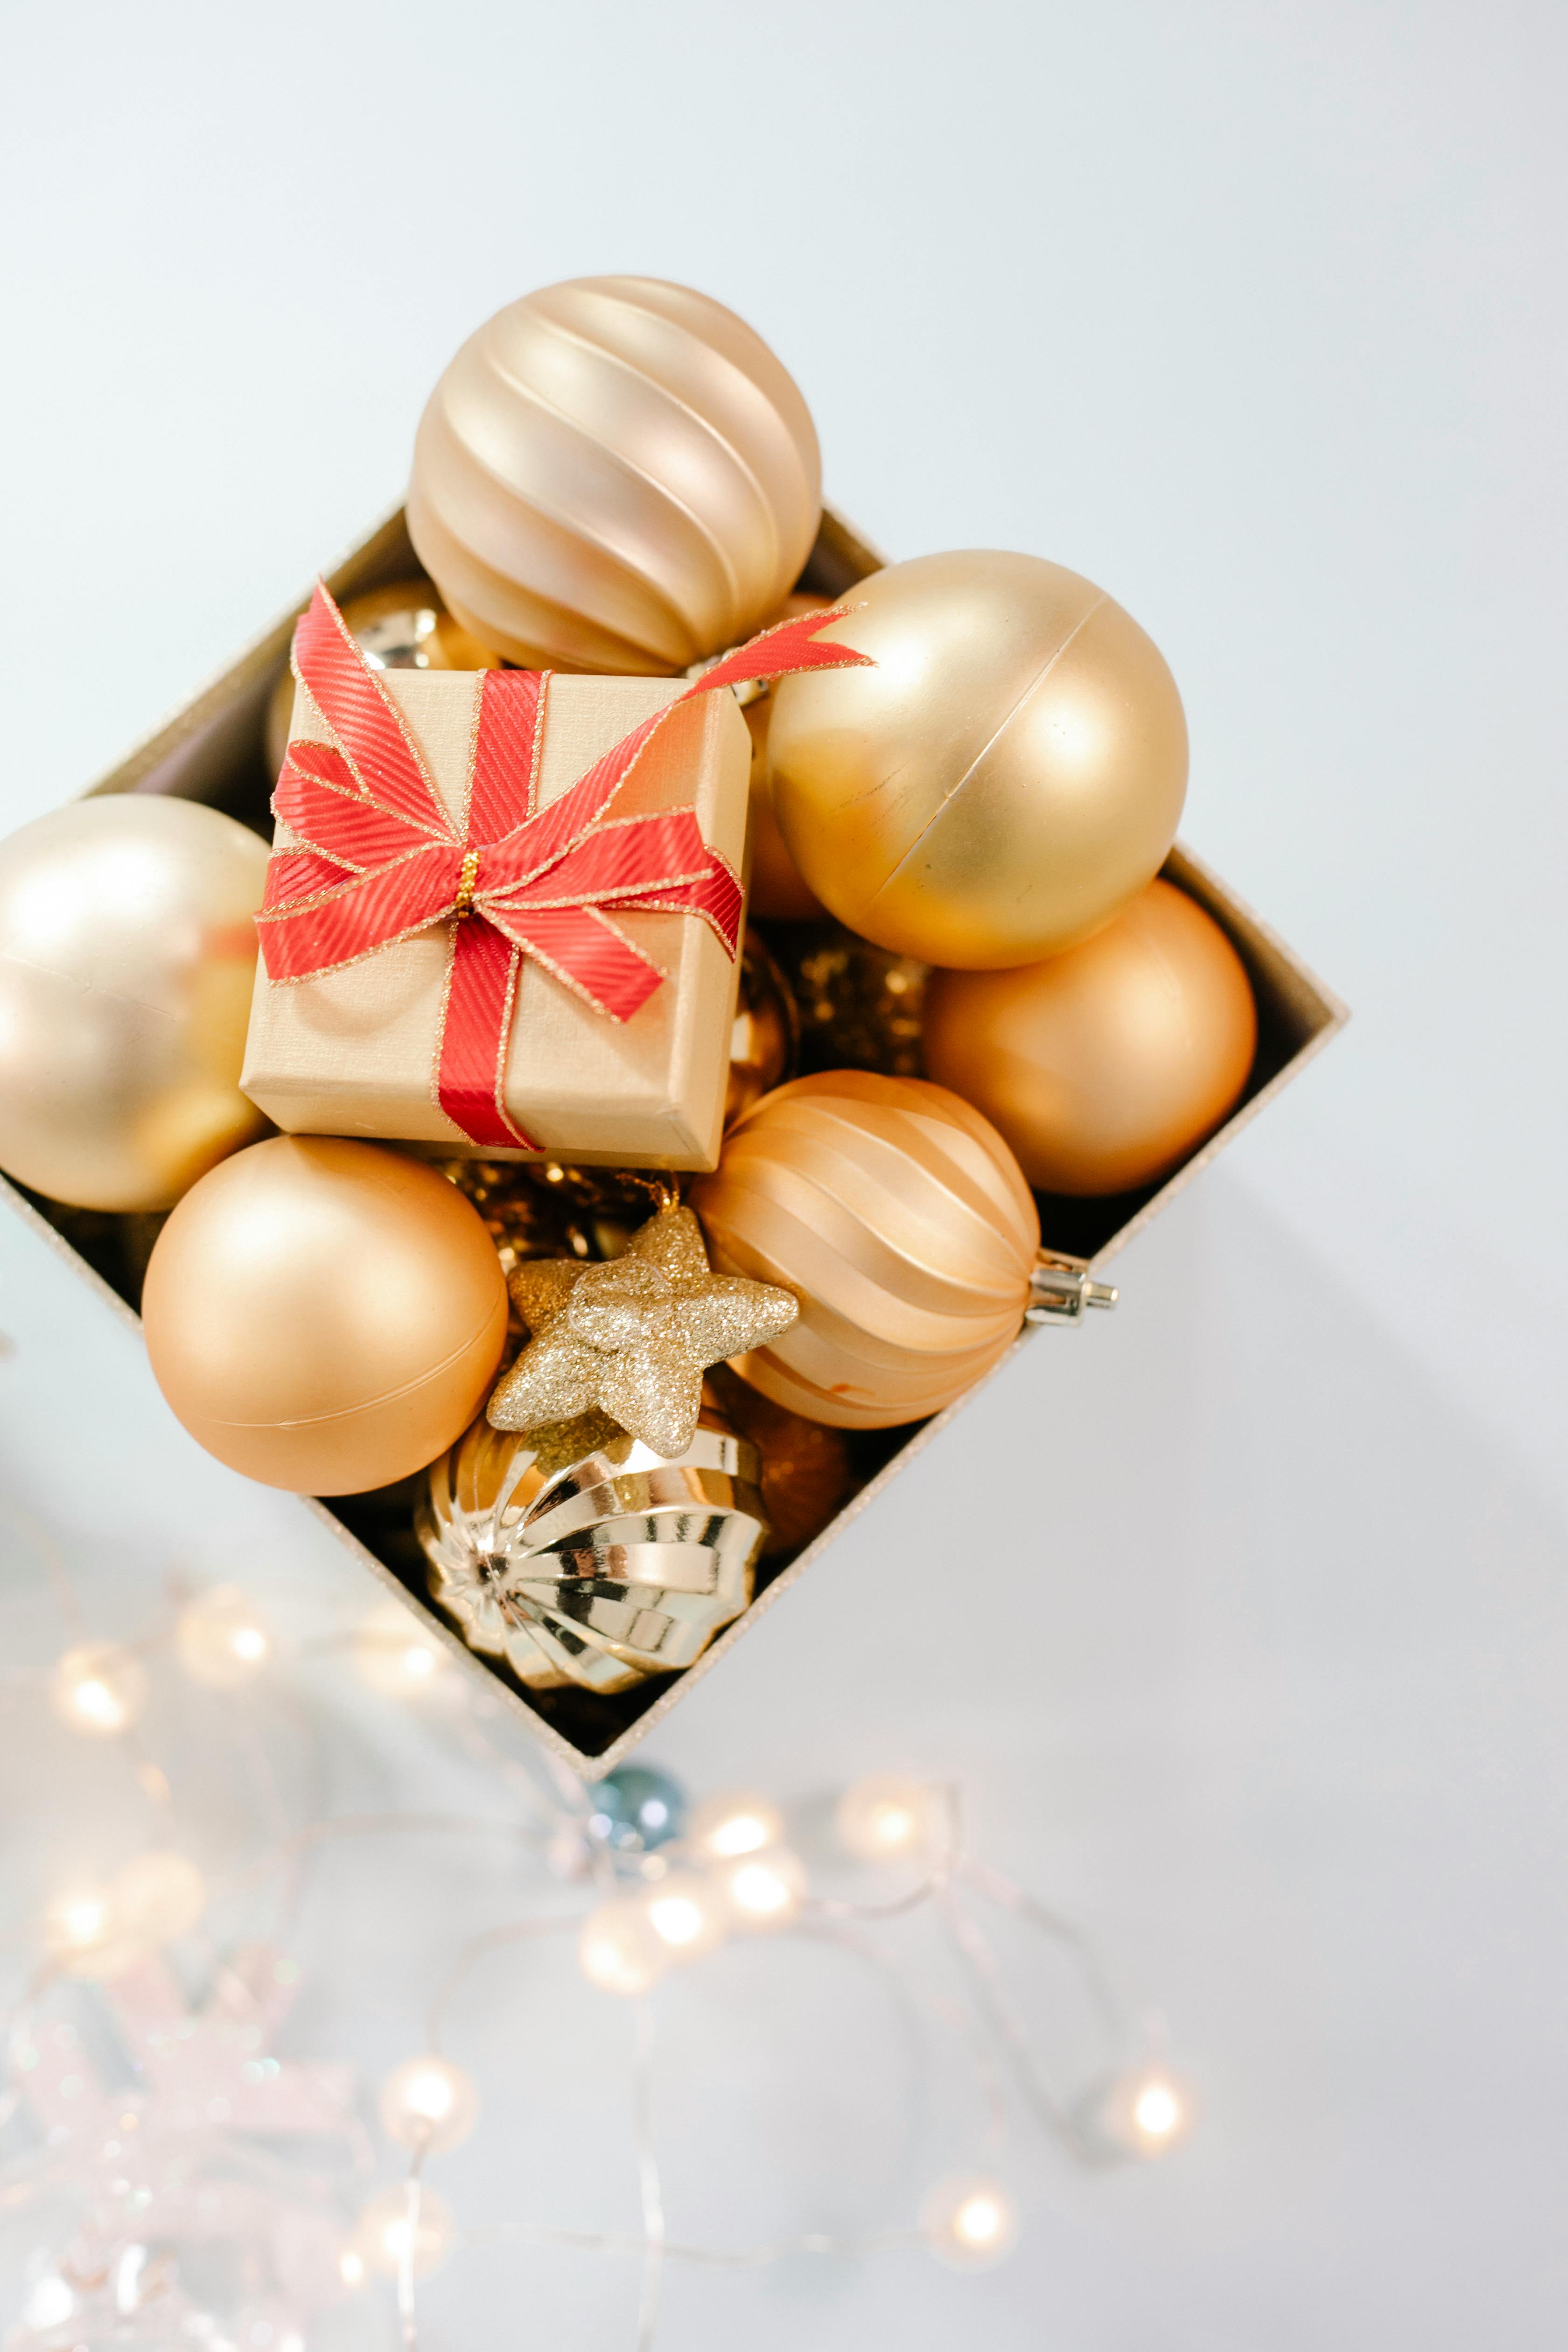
127 964
324 1315
613 475
1106 1067
404 627
1004 779
580 1556
898 1217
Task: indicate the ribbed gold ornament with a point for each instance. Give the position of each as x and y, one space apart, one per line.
615 474
898 1219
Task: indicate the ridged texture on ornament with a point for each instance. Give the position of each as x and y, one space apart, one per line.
1002 775
615 474
127 964
581 1556
900 1219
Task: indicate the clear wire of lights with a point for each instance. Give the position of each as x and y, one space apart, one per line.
133 2177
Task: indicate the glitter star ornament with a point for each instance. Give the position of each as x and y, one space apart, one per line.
633 1339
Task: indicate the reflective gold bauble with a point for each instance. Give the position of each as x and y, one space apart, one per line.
580 1556
1103 1067
127 963
1004 779
762 1041
807 1474
859 1006
898 1219
324 1315
615 474
776 891
404 627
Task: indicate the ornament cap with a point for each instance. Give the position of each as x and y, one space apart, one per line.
1061 1290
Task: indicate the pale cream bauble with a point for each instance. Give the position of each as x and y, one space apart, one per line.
324 1315
1004 775
897 1216
127 963
1107 1066
615 474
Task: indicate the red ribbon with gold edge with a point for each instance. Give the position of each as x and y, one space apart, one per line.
380 859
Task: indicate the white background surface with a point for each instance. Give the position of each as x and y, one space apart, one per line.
1255 314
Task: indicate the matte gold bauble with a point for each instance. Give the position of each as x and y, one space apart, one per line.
762 1041
324 1315
127 963
1004 779
617 475
898 1219
807 1474
404 627
1103 1067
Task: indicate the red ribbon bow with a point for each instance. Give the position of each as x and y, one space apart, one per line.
380 859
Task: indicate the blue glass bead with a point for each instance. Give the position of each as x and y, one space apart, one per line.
635 1809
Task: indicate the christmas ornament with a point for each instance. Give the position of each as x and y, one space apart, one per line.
808 1473
860 1006
404 627
1105 1067
634 1338
777 893
1004 777
636 1810
763 1040
127 964
898 1217
582 1556
615 474
322 1315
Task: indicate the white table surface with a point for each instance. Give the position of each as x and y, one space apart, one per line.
1256 316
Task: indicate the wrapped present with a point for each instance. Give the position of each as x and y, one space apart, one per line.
503 907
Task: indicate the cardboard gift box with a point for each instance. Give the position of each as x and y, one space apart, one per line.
213 750
351 1050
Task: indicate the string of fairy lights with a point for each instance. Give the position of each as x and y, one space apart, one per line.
662 1885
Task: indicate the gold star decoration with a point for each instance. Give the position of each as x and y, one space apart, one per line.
633 1338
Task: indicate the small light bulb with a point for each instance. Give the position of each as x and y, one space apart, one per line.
99 1690
969 2222
687 1913
620 1950
734 1823
221 1638
383 2236
1145 2112
396 1654
764 1890
75 1923
351 2267
885 1818
429 2104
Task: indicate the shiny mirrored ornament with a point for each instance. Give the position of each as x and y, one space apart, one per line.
1004 775
898 1218
127 964
1107 1066
615 474
403 626
579 1556
324 1315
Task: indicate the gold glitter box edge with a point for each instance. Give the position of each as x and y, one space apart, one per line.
210 750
